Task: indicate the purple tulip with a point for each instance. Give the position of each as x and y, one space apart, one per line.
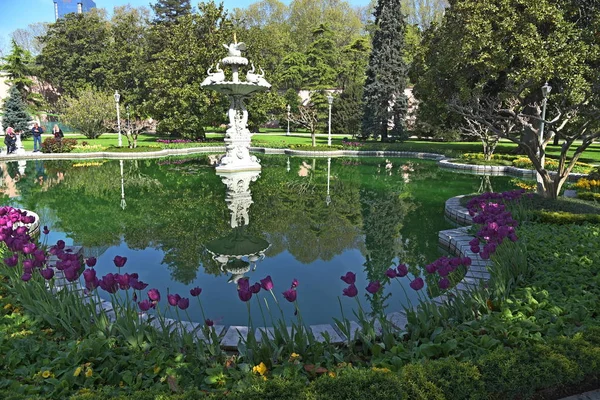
60 244
444 283
145 305
183 303
391 273
90 262
26 276
373 287
350 291
154 295
46 230
417 284
47 273
173 299
430 268
290 295
72 274
120 261
89 275
402 270
209 322
12 260
349 278
195 292
295 283
91 285
255 288
267 283
244 294
137 284
29 248
123 281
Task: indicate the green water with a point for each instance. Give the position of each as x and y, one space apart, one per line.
168 209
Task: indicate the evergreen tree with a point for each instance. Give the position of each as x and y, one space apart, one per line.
168 11
15 112
383 96
347 111
19 67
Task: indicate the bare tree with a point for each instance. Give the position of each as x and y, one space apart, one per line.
510 120
132 129
307 117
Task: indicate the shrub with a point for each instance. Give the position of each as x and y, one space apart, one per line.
564 218
589 196
52 145
308 147
551 165
353 384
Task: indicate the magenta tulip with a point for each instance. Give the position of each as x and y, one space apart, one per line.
47 273
154 295
417 284
90 262
195 291
173 299
209 322
255 288
183 303
350 291
373 287
290 295
244 294
145 305
120 261
349 278
267 283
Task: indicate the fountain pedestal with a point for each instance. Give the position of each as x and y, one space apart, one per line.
237 136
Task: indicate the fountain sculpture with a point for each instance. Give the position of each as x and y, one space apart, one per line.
237 136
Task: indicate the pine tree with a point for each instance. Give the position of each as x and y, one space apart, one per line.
168 11
15 112
383 97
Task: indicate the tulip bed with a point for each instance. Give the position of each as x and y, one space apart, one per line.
532 332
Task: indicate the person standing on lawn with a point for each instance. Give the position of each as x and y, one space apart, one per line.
37 131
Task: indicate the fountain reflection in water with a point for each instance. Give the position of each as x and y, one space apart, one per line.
238 252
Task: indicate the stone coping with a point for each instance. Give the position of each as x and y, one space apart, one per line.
499 170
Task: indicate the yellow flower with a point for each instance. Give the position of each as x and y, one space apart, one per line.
294 357
8 306
156 369
381 369
77 371
88 372
331 374
260 368
46 374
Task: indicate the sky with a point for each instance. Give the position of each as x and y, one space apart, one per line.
17 14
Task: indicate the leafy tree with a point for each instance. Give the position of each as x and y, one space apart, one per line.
321 60
129 31
15 112
89 112
168 11
19 67
187 48
424 13
74 54
308 118
346 113
386 73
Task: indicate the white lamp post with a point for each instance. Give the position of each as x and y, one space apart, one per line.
289 108
330 101
117 98
546 89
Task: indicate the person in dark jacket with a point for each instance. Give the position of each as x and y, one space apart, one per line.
37 131
10 140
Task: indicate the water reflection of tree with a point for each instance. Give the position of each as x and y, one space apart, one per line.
292 213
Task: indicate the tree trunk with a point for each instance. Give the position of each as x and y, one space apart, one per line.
314 138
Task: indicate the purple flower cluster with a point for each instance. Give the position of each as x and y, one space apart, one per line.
489 211
172 141
352 144
245 290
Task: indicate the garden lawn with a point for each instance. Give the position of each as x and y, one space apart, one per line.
278 139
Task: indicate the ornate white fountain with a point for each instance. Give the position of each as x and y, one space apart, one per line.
237 136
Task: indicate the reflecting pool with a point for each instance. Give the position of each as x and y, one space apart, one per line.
181 225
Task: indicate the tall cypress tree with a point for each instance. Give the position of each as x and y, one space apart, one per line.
383 97
15 112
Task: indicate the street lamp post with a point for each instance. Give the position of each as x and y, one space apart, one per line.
117 98
123 203
546 89
289 108
330 101
328 198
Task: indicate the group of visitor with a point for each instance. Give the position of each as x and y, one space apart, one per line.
10 138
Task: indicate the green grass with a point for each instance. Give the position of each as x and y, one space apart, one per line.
277 138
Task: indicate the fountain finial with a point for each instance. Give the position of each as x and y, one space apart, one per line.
234 38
